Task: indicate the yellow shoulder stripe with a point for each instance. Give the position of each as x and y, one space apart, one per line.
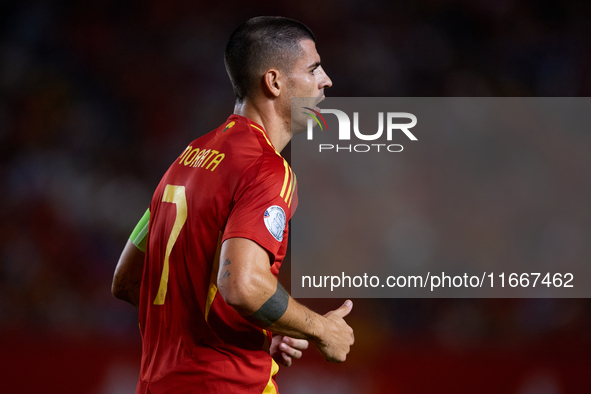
285 179
289 175
293 185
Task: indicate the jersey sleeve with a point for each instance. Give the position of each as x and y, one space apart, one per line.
262 204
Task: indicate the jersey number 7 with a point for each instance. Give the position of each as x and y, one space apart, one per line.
174 195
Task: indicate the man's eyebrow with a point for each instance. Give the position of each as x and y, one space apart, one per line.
315 65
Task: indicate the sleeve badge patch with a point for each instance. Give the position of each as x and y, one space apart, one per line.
274 219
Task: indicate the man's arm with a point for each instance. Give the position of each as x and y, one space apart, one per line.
247 284
128 274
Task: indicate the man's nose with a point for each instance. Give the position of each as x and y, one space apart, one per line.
325 82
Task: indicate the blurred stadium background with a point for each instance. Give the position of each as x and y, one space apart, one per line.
98 97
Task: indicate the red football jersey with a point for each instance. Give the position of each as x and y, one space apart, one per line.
229 183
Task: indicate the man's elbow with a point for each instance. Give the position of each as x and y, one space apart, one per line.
125 291
239 294
117 289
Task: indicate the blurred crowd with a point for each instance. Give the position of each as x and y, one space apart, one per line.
98 97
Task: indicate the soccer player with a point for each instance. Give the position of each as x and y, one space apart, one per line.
202 263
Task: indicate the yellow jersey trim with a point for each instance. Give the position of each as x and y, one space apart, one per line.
293 185
285 179
213 289
289 190
288 173
270 388
269 142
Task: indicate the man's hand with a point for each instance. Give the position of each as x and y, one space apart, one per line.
337 338
284 349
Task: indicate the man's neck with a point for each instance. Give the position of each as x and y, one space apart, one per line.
277 128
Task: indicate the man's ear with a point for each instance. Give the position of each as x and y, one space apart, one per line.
272 82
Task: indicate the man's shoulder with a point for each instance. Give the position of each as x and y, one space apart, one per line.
248 140
241 143
252 144
236 133
232 138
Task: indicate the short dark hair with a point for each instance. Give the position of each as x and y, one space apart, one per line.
260 43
